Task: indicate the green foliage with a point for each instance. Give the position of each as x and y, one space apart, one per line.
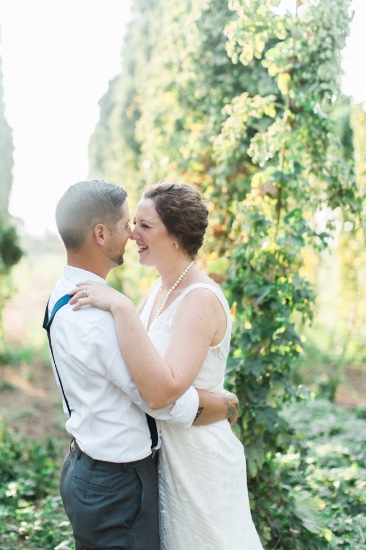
10 254
10 251
334 469
27 471
8 386
317 486
31 512
16 355
336 338
264 292
320 482
358 125
294 168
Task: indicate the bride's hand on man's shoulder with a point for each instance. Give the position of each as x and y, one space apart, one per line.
95 294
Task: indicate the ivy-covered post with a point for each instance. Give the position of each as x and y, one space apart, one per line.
294 170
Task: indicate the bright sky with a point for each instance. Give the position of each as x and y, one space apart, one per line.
58 57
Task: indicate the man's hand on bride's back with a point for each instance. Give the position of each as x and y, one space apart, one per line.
232 403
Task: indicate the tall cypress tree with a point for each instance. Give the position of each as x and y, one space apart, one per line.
10 252
6 153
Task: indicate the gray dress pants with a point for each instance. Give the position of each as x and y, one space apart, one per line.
111 506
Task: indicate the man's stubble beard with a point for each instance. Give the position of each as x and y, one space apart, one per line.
117 259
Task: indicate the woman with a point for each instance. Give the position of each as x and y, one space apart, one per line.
202 473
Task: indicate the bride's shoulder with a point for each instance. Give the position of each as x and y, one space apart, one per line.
203 278
205 292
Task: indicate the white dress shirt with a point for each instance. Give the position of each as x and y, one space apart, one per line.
108 417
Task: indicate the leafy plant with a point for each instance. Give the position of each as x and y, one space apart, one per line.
333 469
293 168
30 506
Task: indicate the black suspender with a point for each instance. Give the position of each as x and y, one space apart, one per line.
47 326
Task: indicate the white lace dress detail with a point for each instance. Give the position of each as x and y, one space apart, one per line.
203 496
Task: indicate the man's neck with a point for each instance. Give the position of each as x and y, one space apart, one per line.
87 264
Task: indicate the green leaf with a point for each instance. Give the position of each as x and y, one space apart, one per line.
284 83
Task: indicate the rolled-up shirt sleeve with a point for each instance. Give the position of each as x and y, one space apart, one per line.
181 414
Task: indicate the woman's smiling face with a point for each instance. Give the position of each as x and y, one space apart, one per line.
154 243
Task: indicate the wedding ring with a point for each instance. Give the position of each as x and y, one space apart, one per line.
83 292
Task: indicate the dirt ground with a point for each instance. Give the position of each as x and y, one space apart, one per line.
30 402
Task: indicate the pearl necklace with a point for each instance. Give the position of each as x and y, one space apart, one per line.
173 287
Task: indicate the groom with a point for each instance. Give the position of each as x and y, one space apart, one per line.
109 483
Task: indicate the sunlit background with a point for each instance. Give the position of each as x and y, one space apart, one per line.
57 60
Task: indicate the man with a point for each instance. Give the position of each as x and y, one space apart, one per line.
109 478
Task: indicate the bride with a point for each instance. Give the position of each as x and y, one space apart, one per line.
180 336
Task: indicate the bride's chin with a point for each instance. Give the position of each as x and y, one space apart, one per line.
142 261
146 262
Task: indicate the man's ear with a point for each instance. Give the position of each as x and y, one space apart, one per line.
100 234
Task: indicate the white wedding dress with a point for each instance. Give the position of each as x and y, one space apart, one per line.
203 493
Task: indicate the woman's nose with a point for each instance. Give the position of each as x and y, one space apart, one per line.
134 234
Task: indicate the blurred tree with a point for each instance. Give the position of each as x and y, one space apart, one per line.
336 338
358 124
10 252
6 153
351 255
114 151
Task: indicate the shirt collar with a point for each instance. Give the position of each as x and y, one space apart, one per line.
76 274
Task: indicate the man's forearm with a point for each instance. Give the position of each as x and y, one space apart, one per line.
214 407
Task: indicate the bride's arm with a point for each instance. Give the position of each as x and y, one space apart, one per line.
161 380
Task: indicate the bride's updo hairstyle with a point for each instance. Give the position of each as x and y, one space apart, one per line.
183 212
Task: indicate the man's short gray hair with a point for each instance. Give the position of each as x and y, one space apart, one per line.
84 205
